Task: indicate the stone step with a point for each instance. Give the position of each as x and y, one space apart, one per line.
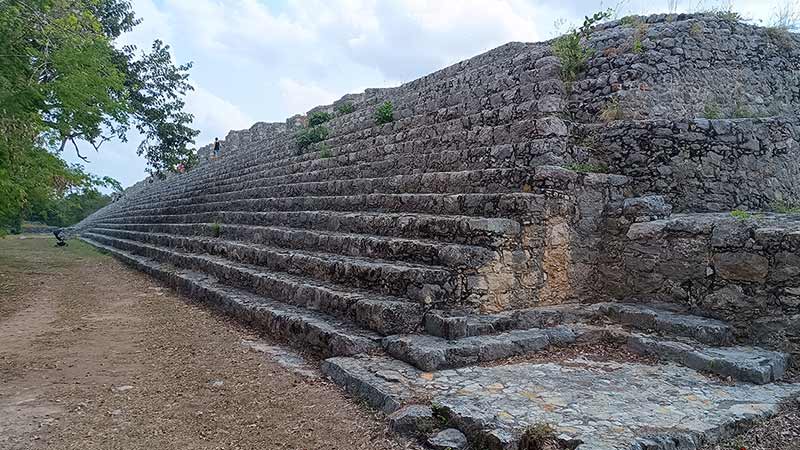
749 364
492 181
305 328
383 314
480 181
535 138
527 206
455 324
420 283
646 317
486 231
359 245
528 99
431 353
377 163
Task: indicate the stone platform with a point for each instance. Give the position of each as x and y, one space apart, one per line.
603 405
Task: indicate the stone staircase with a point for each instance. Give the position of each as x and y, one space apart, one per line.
451 255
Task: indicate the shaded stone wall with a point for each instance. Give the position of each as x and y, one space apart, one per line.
743 270
704 165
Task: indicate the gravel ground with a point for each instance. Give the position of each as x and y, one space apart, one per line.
94 355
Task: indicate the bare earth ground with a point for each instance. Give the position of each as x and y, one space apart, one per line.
94 355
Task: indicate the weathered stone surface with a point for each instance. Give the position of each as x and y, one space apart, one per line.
645 317
742 266
448 439
412 419
606 405
434 353
741 363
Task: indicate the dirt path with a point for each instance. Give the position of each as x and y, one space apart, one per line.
94 355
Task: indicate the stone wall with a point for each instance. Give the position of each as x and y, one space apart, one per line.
677 66
745 270
703 165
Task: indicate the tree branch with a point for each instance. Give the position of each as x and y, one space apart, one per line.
77 152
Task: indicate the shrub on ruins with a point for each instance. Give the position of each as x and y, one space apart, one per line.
571 49
612 111
216 229
345 108
66 84
318 118
325 152
784 207
384 113
538 436
711 111
311 135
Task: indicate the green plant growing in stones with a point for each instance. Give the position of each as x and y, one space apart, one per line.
311 135
780 37
612 111
440 414
318 118
587 168
384 113
711 111
638 35
345 108
739 214
325 152
570 49
536 436
696 29
216 229
740 111
783 207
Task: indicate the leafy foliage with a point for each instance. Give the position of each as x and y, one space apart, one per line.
570 49
64 84
311 135
318 118
784 207
384 113
711 111
345 108
739 214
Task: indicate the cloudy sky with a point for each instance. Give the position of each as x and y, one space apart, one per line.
265 60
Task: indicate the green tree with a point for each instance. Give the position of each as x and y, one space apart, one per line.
64 85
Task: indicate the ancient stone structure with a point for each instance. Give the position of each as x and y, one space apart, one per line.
505 213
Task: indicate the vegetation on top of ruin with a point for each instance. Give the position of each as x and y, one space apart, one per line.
345 108
311 135
318 118
384 113
571 49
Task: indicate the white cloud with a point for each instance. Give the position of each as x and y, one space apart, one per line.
301 97
214 116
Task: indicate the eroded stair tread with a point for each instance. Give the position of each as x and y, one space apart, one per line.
750 364
326 333
644 317
435 353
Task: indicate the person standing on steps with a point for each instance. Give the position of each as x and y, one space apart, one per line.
216 148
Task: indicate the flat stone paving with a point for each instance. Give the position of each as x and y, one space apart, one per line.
606 405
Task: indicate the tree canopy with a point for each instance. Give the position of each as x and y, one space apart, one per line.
65 84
